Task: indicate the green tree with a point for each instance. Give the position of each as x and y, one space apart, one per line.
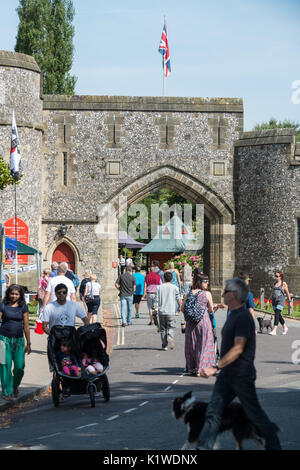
46 32
5 177
274 124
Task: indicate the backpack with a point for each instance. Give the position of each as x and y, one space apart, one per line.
193 309
75 280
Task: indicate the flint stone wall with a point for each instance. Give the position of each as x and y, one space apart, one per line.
267 207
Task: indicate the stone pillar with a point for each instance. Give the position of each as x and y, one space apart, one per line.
265 204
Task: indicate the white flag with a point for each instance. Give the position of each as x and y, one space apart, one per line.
15 155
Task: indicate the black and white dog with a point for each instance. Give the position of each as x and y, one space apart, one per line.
264 324
192 413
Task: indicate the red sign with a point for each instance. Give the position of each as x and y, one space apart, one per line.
21 234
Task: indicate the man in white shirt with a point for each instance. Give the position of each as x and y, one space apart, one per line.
62 311
54 281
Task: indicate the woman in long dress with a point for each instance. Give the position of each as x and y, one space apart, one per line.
199 338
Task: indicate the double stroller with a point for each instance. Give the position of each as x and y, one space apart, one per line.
90 339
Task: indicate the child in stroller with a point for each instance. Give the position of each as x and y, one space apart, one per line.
67 359
91 364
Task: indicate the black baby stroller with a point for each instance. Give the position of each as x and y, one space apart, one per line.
93 339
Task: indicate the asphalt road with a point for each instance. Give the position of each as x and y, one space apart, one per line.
143 381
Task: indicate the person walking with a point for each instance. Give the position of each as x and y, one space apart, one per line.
237 374
199 338
54 267
62 311
126 285
121 265
14 320
166 297
43 283
5 283
249 303
279 289
59 279
139 291
175 280
187 277
159 271
85 280
93 291
152 280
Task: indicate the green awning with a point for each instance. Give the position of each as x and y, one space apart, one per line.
26 249
171 238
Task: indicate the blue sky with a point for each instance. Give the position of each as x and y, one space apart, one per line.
235 48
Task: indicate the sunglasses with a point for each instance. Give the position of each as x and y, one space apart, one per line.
206 281
62 292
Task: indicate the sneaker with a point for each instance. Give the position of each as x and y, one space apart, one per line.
171 343
137 315
273 333
124 324
285 330
165 349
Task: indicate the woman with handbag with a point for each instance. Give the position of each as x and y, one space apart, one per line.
279 290
14 320
199 338
92 298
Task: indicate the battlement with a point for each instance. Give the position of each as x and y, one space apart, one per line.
18 60
267 136
143 103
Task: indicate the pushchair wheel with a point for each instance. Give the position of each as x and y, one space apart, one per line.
92 391
105 387
55 391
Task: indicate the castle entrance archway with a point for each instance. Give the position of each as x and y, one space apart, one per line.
219 228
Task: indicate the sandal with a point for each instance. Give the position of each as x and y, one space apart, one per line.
7 398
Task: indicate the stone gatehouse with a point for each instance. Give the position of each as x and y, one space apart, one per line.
80 152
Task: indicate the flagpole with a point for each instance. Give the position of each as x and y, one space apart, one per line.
16 233
164 67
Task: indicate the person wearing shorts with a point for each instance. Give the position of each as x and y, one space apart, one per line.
139 291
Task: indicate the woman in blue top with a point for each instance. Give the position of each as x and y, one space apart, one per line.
14 320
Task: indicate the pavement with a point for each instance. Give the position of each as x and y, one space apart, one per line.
37 377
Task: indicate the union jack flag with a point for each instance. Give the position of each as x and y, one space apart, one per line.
165 51
15 156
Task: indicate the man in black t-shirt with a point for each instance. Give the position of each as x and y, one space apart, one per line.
126 285
237 372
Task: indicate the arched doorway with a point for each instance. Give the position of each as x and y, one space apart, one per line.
219 228
64 253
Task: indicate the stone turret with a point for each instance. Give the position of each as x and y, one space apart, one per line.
266 181
20 90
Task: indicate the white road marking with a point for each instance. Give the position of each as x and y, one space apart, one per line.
49 435
175 382
144 403
168 388
112 417
87 425
129 411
